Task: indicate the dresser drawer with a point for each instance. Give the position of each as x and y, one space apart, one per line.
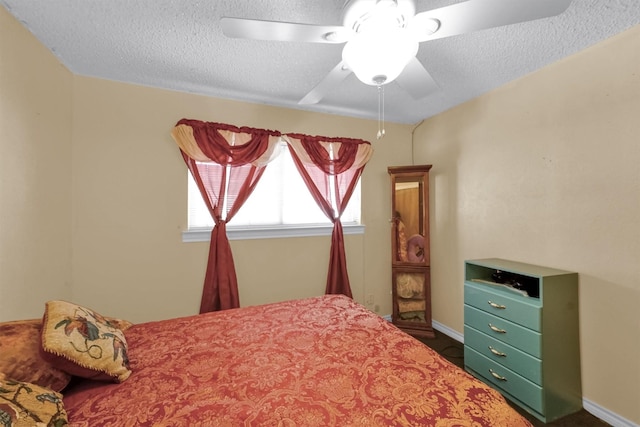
525 311
504 354
503 330
504 379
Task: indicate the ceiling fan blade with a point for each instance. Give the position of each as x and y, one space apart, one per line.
416 80
331 80
475 15
283 31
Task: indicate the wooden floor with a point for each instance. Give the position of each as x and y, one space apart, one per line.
453 351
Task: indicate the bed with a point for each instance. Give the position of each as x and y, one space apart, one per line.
322 361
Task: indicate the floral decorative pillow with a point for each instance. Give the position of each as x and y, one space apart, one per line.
20 357
26 405
82 342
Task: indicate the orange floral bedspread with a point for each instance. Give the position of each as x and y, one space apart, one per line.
323 361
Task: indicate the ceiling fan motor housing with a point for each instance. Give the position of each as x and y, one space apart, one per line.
356 13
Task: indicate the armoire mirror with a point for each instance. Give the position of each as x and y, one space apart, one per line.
409 220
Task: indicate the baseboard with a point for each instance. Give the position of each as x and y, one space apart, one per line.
591 407
606 415
447 331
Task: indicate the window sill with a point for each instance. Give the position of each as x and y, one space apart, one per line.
273 232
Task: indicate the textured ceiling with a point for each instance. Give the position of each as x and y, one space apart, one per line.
178 45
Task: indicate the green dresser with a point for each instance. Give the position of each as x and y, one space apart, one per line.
521 334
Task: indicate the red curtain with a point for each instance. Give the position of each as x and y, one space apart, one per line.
226 163
331 168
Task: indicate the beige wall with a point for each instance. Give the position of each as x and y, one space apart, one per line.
35 174
546 170
129 206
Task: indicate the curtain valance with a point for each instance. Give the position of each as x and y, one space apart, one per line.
225 144
331 155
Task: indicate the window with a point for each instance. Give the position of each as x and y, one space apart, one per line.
280 206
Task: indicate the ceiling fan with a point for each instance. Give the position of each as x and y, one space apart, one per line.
381 37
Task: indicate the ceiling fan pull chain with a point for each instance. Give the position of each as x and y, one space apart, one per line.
380 112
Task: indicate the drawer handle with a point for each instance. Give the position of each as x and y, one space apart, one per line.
494 305
496 329
497 353
497 376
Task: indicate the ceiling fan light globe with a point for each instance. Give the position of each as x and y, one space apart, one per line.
381 55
